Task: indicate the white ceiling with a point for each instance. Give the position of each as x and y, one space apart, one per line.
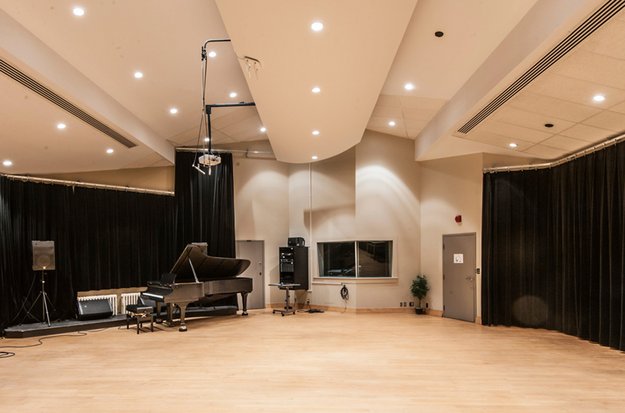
367 52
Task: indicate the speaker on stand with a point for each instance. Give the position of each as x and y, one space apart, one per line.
43 260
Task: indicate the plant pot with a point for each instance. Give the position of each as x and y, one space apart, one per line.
419 310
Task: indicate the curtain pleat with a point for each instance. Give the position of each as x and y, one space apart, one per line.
553 248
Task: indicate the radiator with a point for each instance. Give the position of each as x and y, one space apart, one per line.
112 298
129 298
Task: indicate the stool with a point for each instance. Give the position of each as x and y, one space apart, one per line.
139 313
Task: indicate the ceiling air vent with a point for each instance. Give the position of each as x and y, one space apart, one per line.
595 21
43 91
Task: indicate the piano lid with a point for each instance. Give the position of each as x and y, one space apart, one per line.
206 267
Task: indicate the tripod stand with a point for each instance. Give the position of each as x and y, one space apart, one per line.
45 315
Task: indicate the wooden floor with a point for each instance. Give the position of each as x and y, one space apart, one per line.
330 362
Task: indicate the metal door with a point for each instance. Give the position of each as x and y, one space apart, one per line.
255 252
459 276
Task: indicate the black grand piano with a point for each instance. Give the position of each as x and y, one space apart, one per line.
197 277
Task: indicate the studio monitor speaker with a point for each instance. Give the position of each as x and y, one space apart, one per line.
43 255
94 309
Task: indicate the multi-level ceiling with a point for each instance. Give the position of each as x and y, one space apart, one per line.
80 71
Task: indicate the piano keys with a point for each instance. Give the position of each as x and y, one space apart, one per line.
197 277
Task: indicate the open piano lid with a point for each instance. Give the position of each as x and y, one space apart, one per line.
206 267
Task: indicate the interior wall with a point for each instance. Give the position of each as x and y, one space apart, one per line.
261 193
449 187
369 193
387 208
157 178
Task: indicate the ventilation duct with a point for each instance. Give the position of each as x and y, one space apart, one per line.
20 77
589 26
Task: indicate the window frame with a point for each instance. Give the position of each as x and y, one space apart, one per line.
356 277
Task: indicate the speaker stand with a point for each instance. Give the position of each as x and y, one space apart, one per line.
45 299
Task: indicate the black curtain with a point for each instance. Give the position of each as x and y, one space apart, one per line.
106 238
205 205
554 250
103 239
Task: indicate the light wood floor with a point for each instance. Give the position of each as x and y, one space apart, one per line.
331 362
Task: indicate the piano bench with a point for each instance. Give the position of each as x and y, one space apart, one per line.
139 313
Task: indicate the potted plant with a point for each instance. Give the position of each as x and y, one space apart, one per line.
419 289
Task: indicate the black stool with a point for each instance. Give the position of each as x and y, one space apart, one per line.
139 312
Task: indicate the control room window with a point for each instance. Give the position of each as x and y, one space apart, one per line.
355 259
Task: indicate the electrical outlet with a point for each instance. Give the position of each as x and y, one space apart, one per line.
401 304
411 304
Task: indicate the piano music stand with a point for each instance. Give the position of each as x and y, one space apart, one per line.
287 301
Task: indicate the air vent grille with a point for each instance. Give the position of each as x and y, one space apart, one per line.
67 106
595 21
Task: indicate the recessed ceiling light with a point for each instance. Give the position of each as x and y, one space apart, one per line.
438 33
314 157
263 129
391 123
78 11
409 86
7 162
212 54
598 98
173 111
110 151
549 125
61 125
315 132
316 26
207 139
138 75
233 94
512 145
316 89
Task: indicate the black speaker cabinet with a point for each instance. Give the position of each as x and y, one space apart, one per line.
295 242
43 255
94 309
294 266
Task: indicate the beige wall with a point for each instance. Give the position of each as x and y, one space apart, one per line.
261 193
158 178
449 187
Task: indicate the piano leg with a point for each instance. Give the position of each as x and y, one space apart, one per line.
183 309
158 312
244 302
170 315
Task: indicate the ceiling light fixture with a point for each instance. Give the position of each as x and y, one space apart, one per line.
598 98
512 145
409 86
173 111
316 89
110 151
314 157
233 94
391 123
263 129
7 162
138 74
316 26
78 11
61 125
315 132
212 54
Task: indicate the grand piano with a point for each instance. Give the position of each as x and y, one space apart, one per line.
197 277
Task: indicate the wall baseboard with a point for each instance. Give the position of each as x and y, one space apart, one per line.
408 310
478 320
